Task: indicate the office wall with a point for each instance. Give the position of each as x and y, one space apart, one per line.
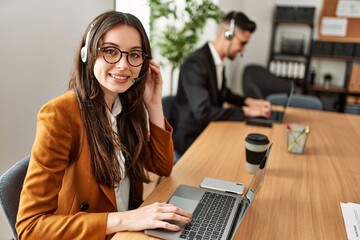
37 44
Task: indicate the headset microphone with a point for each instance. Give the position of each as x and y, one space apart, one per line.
135 80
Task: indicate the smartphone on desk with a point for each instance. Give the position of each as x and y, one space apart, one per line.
222 185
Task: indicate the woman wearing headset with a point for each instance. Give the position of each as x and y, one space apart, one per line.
96 143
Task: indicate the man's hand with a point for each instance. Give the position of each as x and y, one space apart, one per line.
257 108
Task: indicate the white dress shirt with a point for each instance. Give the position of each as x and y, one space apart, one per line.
219 65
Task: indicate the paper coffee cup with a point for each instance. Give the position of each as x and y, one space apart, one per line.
255 145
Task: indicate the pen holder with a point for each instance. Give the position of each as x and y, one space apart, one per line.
296 138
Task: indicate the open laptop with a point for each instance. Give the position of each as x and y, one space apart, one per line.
276 116
216 214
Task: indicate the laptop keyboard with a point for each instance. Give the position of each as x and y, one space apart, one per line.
210 217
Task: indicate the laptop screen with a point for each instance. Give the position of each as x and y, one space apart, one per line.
258 179
252 190
292 89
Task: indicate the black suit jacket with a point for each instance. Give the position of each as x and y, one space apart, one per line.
198 100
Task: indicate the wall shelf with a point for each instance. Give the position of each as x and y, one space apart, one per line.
331 89
291 60
349 53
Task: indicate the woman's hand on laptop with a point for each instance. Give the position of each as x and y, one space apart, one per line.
152 216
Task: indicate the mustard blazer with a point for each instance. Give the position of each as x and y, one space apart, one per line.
60 198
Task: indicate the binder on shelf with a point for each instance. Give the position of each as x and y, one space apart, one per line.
357 50
354 81
295 14
285 13
352 105
322 48
343 49
353 100
336 49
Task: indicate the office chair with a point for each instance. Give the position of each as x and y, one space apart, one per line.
258 82
11 183
297 100
168 105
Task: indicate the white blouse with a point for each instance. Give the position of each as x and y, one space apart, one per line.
122 191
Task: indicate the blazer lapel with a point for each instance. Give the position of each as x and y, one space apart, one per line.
110 194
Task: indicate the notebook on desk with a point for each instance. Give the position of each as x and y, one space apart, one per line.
276 116
216 214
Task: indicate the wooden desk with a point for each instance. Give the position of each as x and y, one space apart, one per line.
300 197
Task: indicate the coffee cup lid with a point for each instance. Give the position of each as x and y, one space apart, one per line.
257 139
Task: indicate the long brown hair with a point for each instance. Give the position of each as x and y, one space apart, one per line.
132 121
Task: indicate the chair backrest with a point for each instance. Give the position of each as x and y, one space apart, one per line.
258 82
11 183
297 100
168 105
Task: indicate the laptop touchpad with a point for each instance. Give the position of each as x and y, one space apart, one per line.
184 203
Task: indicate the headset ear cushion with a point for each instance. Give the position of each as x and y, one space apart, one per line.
228 35
83 54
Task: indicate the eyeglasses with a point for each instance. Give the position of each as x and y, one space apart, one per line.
113 55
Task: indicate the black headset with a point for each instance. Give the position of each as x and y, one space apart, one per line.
229 34
84 49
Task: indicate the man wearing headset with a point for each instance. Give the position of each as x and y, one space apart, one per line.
202 89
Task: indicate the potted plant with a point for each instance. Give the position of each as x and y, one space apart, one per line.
180 28
327 79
